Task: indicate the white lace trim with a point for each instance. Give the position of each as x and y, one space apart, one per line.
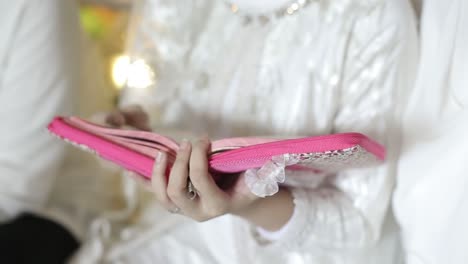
265 181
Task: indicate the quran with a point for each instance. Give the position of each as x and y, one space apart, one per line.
136 150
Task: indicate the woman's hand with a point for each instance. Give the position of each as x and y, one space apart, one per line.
212 201
132 115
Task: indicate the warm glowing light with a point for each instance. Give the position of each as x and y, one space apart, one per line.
140 74
134 74
120 70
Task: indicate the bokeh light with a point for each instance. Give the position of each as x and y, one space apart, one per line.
134 73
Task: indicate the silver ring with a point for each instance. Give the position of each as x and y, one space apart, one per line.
191 191
176 210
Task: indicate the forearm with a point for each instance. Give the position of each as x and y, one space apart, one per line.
270 213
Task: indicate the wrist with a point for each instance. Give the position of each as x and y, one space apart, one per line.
270 213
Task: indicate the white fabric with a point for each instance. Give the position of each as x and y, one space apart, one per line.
40 61
259 6
334 66
431 198
37 77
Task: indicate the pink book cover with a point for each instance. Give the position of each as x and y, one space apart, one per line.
136 150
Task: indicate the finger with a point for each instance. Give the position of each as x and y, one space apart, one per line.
159 181
135 116
132 108
199 175
177 187
115 118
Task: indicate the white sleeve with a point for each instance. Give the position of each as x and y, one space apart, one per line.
348 209
39 74
431 197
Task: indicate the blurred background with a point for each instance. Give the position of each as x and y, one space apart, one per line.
108 68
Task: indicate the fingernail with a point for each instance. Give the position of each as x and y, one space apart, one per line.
159 160
160 157
184 144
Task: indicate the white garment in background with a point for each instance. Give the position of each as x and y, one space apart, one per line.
431 199
259 6
38 73
47 68
332 66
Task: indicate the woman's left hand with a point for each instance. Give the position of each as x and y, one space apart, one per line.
192 164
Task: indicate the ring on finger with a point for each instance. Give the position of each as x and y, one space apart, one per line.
175 210
191 191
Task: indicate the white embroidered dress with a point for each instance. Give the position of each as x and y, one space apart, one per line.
330 66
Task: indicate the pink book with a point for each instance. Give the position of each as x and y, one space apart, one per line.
136 150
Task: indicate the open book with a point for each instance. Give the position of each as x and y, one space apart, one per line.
136 150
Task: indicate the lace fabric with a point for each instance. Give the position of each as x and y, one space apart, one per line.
264 181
